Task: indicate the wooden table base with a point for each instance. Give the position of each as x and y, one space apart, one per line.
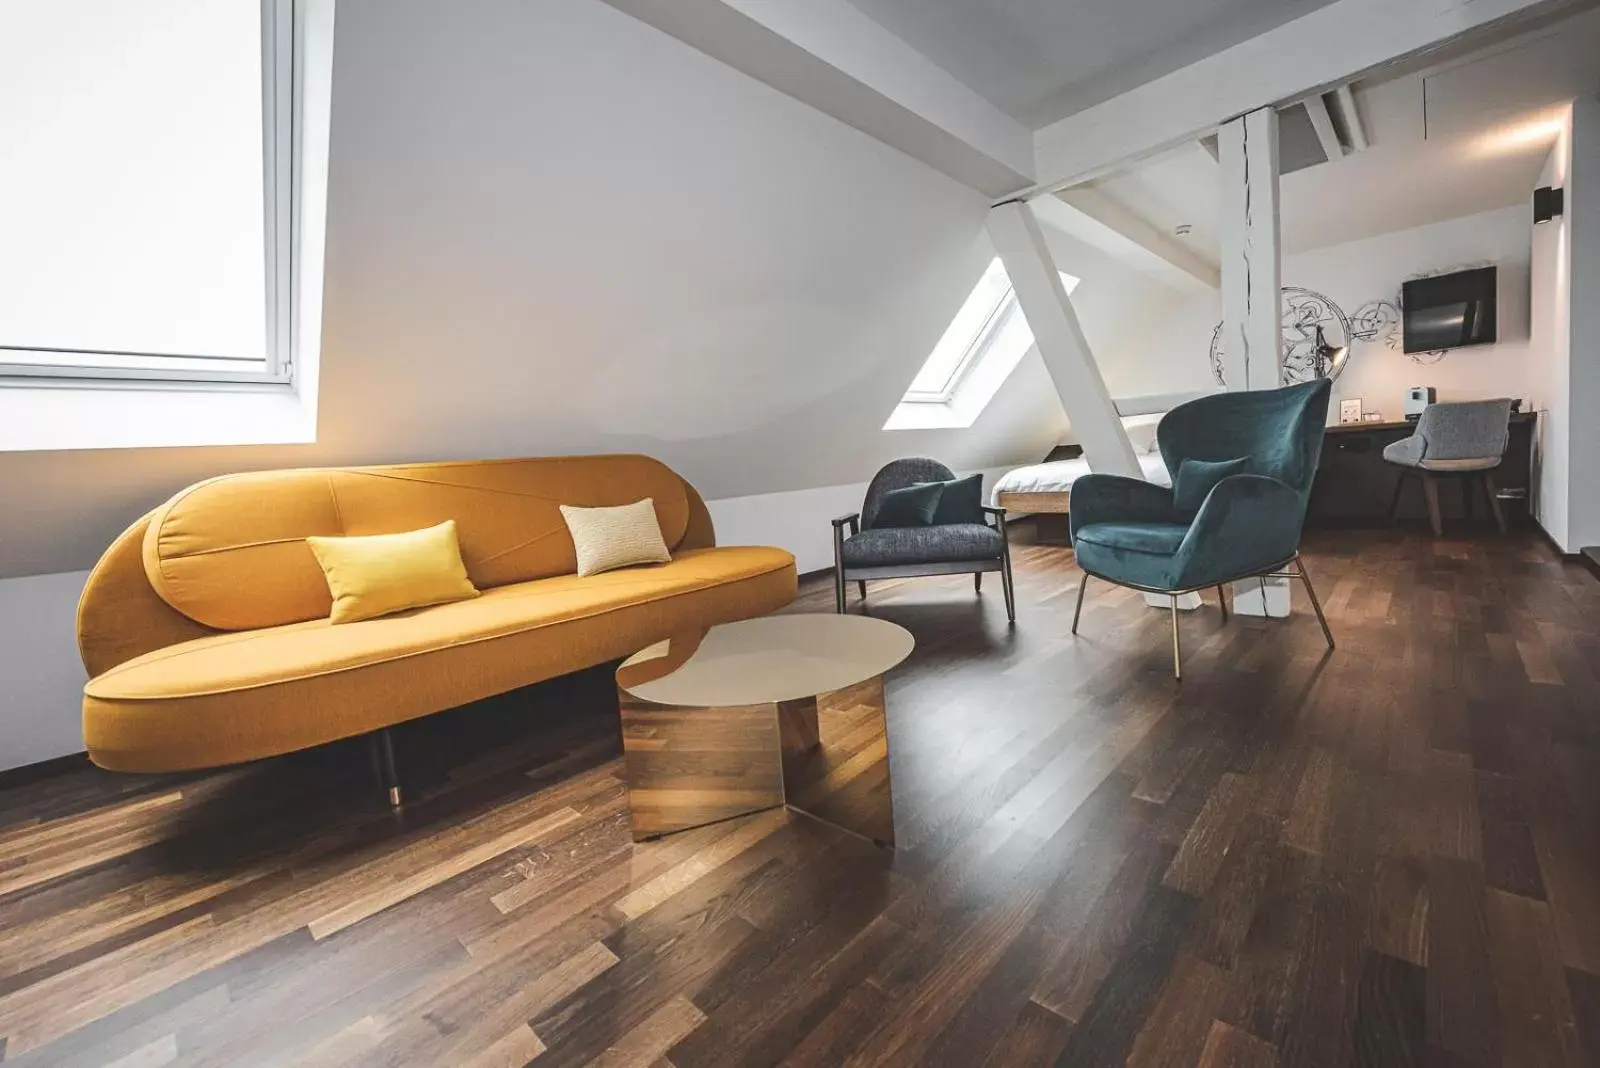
826 756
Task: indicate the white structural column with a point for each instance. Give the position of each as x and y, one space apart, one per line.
1015 234
1252 274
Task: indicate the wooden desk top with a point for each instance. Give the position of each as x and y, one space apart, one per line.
1405 424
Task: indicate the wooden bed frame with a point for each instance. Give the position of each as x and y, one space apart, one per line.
1049 510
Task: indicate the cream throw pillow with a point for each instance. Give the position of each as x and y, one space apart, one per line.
609 538
373 575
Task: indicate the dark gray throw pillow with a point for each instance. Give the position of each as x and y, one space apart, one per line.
913 506
961 501
1197 477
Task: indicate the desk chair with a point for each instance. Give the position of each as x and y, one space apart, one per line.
1462 440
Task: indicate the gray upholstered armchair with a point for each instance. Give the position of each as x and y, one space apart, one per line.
1462 440
874 549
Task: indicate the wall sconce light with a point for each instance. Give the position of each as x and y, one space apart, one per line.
1548 203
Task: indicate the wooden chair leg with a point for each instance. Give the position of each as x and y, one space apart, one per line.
1222 599
1394 502
861 584
1009 586
838 588
1494 501
1430 490
977 582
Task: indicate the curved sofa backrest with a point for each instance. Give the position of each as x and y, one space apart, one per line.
230 553
898 474
1279 430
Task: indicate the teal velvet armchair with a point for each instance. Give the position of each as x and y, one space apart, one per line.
1242 465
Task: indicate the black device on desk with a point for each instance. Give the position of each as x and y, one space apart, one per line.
1354 484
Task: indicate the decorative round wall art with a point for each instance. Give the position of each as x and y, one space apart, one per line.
1303 312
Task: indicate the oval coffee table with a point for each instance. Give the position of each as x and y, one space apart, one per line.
781 710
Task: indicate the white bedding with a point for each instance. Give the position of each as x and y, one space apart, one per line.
1059 476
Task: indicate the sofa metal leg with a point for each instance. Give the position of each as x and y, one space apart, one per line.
1300 566
1177 649
1222 599
388 775
1077 612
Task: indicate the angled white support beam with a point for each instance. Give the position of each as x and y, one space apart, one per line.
1322 123
1330 45
1015 234
1252 257
1095 219
1350 115
829 55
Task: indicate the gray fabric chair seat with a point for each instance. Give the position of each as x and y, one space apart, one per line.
889 546
1405 452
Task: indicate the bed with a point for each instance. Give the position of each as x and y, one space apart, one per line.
1046 489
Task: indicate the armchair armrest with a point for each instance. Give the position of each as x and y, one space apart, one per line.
854 519
1247 523
1116 498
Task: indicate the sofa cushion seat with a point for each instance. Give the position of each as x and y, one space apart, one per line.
237 696
1157 539
949 542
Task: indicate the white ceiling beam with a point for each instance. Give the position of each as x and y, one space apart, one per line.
829 55
1322 123
1328 46
1096 219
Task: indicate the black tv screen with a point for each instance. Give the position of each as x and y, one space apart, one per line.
1451 311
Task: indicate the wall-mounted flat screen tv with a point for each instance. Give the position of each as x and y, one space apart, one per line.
1450 311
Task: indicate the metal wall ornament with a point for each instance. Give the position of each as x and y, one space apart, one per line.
1304 312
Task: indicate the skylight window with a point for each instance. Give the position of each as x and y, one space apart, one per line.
982 346
145 189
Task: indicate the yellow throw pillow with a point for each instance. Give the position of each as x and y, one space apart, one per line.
609 538
377 574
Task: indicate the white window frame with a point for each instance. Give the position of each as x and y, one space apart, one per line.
995 324
282 26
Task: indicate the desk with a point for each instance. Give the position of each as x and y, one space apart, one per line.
1355 484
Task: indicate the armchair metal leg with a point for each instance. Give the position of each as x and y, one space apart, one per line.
1005 569
1222 599
1177 648
1076 612
1300 566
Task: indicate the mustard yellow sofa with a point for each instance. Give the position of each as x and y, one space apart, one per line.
205 633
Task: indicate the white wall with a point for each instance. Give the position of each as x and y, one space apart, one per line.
1550 319
1583 351
41 692
1373 269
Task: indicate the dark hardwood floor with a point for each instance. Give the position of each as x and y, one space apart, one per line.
1387 855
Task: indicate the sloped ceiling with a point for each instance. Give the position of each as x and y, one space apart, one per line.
530 254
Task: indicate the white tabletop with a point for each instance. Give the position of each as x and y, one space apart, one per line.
774 658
